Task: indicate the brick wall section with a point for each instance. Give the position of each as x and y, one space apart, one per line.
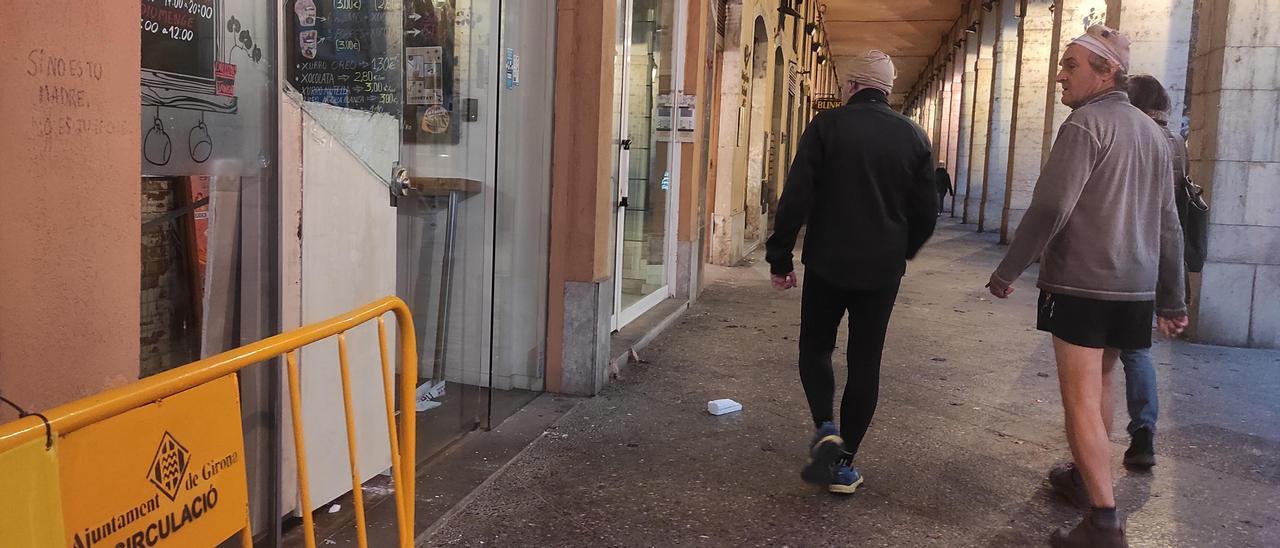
160 308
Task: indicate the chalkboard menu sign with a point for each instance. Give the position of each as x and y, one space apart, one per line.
181 40
179 37
346 53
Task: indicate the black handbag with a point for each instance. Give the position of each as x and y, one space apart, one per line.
1194 212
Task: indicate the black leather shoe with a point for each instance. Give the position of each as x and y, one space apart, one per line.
1142 450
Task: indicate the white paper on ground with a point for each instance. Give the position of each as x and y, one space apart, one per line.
720 407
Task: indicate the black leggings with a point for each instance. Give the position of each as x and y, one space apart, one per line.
822 307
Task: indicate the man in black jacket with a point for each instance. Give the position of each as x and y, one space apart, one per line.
862 181
943 180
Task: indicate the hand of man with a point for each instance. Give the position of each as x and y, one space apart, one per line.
1172 327
785 281
998 288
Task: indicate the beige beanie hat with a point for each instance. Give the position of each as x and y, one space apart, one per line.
875 69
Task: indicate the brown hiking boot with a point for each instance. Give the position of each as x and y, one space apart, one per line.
1091 534
1067 482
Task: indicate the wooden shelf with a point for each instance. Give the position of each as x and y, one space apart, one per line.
442 186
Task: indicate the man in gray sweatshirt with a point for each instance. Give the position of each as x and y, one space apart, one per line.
1104 225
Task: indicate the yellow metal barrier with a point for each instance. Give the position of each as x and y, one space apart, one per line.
69 418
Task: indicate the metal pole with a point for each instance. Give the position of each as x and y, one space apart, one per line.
446 287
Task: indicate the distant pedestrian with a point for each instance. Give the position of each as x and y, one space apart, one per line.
943 180
1148 94
1104 224
862 180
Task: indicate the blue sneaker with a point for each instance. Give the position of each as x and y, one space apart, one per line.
845 479
824 452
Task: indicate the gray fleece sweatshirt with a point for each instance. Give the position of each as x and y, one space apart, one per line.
1102 217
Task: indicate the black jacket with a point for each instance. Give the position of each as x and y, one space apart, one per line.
862 180
943 180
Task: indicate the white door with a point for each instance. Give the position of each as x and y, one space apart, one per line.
647 177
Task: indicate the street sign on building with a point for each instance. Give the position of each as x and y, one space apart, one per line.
827 103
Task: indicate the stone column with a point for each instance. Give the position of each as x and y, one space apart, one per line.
931 123
978 141
927 113
1031 91
964 137
939 112
1005 57
1235 153
728 195
944 115
1161 35
580 294
953 121
693 183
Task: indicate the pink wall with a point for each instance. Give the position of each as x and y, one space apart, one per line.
69 199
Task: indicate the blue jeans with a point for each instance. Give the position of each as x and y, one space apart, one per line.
1140 389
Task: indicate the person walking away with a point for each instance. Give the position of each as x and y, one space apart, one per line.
862 180
1104 224
1149 95
943 180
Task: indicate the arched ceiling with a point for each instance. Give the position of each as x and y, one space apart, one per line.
908 30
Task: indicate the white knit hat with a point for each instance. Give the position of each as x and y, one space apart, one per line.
1110 44
874 69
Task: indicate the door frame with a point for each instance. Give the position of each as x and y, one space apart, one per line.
622 316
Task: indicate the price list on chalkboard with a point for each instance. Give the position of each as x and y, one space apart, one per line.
339 52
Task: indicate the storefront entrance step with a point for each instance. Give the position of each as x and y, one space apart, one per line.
446 481
628 342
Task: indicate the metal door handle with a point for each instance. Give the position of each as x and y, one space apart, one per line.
623 202
626 144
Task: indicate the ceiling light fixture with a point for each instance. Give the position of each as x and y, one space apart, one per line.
811 29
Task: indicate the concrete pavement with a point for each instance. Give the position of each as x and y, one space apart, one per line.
969 423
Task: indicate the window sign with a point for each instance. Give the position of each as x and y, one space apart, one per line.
431 33
205 86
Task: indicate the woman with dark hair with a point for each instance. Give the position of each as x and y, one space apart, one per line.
1148 94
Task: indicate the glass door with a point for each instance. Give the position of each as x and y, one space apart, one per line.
445 222
521 248
647 176
473 230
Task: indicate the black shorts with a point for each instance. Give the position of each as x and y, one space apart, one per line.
1122 325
